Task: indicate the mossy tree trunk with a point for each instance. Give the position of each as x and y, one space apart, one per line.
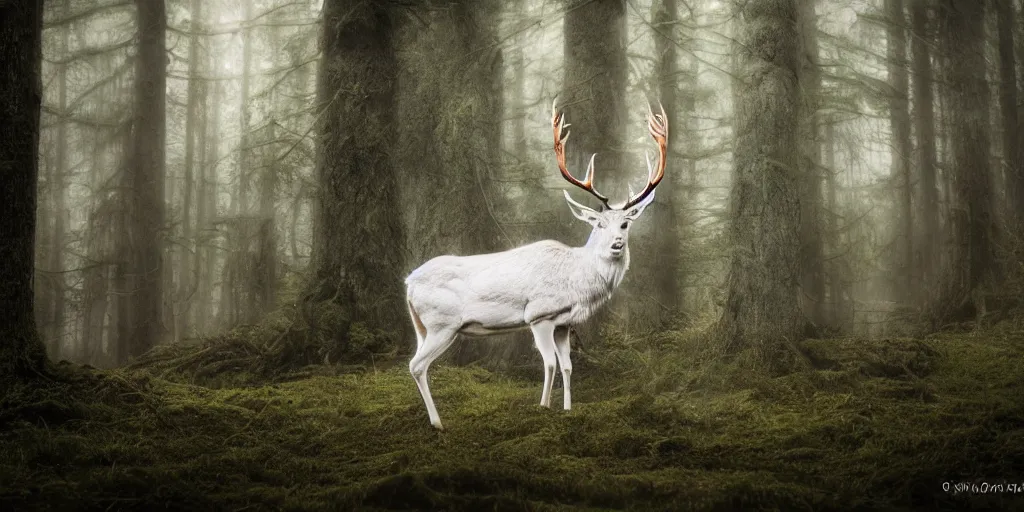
812 271
450 129
450 137
972 222
901 149
21 24
762 308
469 129
141 276
357 254
924 129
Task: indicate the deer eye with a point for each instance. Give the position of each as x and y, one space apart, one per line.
625 225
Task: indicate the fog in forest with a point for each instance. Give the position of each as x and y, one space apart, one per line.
236 234
168 219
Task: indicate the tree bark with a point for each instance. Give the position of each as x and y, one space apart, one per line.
971 187
449 130
143 183
924 128
1013 159
812 272
207 211
840 315
186 270
264 278
762 308
901 150
22 353
358 233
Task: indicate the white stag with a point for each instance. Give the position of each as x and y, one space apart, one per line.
545 286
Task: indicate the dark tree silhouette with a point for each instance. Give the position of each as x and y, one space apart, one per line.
21 27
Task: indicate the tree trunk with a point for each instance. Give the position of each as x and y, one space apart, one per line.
665 215
195 316
1015 176
812 272
971 212
449 130
945 155
1013 159
840 315
467 136
762 308
518 89
208 212
143 183
240 200
186 270
593 92
924 127
594 101
689 180
22 354
265 273
899 123
95 280
358 233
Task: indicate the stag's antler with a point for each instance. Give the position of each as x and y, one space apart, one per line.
558 124
657 124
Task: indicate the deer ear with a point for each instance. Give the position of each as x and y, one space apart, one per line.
584 213
638 208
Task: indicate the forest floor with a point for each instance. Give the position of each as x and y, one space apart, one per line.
865 425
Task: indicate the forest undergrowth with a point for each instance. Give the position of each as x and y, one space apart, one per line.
659 422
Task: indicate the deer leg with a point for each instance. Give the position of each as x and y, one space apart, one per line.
421 330
543 333
434 344
561 336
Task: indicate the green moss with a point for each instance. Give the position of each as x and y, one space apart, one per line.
659 423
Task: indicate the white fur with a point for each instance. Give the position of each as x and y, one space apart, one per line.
545 286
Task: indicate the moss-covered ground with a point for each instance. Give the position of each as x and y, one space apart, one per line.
657 424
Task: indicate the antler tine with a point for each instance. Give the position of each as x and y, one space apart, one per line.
558 125
657 125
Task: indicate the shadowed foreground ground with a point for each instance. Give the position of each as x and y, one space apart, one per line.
866 425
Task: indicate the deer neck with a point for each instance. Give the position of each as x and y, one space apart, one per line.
607 270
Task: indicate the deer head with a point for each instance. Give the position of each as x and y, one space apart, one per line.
610 234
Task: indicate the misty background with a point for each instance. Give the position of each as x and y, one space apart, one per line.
288 180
